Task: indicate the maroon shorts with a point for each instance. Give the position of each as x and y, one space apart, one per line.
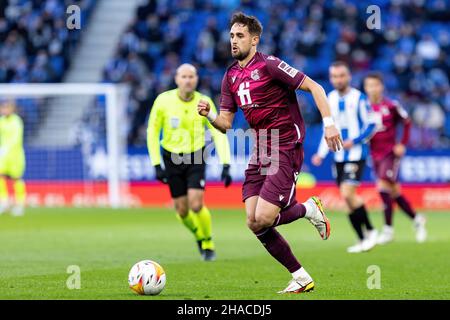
387 168
275 182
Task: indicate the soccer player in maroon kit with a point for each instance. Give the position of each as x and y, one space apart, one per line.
386 154
264 88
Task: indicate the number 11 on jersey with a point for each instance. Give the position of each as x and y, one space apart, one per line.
244 93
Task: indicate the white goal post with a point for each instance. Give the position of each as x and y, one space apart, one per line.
116 96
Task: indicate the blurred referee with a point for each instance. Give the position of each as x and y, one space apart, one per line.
183 144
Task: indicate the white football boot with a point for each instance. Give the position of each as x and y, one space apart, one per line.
370 240
419 225
356 248
316 215
303 283
386 235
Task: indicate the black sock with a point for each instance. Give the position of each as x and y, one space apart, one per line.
357 222
364 216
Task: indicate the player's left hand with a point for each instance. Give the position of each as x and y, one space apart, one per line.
333 138
348 144
226 177
399 150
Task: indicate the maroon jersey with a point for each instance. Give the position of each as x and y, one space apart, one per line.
390 114
265 91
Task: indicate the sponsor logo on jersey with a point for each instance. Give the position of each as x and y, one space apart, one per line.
253 105
271 58
233 79
287 69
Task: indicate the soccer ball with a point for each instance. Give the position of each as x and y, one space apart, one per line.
147 278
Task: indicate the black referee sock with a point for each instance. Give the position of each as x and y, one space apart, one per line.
357 222
364 216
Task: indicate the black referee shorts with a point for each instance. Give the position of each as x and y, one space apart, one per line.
184 171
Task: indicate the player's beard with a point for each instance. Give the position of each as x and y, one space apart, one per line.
240 55
342 87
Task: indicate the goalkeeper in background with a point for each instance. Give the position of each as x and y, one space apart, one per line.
12 158
183 144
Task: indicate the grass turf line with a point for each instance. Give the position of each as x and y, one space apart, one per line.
35 251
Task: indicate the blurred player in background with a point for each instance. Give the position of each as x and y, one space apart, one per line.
183 143
386 154
12 159
353 117
264 88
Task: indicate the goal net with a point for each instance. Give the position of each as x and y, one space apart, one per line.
75 142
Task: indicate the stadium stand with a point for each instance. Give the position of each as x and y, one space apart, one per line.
412 49
36 47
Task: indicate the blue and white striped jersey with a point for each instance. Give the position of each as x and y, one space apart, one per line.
353 116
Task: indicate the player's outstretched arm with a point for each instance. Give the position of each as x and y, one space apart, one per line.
222 121
331 133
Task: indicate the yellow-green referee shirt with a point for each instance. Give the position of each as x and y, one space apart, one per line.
183 128
12 155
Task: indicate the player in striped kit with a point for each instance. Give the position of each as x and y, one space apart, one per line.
352 115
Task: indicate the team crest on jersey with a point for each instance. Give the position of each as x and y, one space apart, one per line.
255 74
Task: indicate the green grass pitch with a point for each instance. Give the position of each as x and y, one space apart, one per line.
35 251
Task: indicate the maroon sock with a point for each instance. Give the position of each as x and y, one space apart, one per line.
278 248
405 205
290 214
387 202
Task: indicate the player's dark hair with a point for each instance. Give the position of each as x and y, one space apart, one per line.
340 63
375 75
254 26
